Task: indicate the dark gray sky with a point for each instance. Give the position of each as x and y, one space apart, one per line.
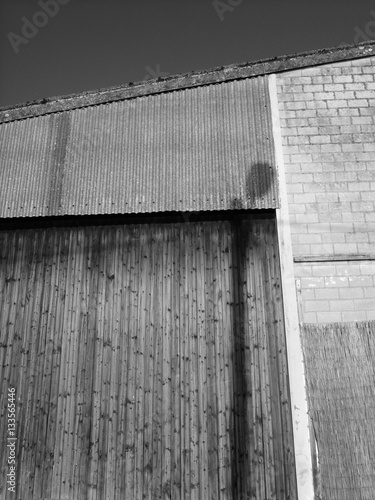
90 44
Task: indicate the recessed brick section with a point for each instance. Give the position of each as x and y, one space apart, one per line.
330 173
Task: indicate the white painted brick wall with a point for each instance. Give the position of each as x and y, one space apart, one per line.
327 116
337 291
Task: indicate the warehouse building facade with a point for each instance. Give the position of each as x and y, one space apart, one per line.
178 257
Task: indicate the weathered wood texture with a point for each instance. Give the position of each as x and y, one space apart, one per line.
149 362
340 373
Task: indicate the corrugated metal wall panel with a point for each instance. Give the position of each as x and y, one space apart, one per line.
207 148
25 151
149 361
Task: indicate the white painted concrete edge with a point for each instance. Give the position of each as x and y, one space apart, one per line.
304 470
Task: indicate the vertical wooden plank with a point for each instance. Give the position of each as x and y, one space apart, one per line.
244 260
96 466
106 344
202 357
14 342
260 367
4 255
78 359
55 339
23 422
212 340
185 333
10 345
75 396
61 450
176 378
125 360
149 356
130 450
60 360
114 450
17 306
141 279
7 345
166 365
20 371
37 342
225 375
64 453
107 335
4 371
245 366
194 365
191 368
43 470
138 369
87 331
8 326
263 255
157 402
107 358
286 473
256 335
280 400
238 474
12 292
275 459
69 385
87 487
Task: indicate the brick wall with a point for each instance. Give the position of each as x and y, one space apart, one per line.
327 116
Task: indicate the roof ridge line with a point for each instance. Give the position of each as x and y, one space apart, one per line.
186 80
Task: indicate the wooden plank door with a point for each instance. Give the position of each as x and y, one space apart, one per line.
148 362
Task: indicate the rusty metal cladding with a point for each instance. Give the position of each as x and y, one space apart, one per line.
206 148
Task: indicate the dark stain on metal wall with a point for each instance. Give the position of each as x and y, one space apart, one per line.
57 162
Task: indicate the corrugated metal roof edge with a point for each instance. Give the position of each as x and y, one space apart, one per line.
188 80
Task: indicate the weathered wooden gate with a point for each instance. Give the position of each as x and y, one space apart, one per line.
148 361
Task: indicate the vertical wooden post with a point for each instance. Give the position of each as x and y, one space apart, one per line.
304 471
299 300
